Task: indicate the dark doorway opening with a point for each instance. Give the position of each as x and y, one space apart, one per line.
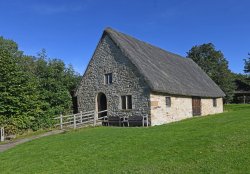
101 104
196 105
74 101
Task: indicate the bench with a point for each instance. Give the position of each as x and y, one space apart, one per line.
114 121
135 121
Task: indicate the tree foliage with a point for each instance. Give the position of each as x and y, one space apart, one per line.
18 97
215 65
247 64
242 84
32 89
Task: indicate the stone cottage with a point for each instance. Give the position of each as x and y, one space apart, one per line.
129 77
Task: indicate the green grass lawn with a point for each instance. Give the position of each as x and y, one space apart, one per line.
212 144
27 134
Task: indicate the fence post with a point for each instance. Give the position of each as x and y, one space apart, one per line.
74 121
61 121
147 120
143 120
81 117
95 116
2 134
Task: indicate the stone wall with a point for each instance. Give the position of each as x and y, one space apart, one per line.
126 81
181 108
208 108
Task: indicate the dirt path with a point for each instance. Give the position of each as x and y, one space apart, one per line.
4 147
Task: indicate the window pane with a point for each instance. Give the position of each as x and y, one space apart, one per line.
123 100
214 102
110 78
129 100
106 79
168 101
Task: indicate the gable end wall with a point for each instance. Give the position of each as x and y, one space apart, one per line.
108 58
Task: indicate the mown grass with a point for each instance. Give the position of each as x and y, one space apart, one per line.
212 144
27 134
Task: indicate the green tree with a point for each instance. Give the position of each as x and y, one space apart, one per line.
32 89
11 46
247 64
215 65
56 83
18 96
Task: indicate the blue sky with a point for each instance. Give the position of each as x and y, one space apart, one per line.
70 29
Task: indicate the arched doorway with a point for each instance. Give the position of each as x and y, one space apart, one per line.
101 104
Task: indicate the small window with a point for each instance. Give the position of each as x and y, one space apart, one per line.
126 101
168 101
123 99
214 102
129 102
108 78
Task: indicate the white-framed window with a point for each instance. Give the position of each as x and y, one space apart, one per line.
214 102
168 101
126 102
108 78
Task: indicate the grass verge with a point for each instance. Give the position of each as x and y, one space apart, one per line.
211 144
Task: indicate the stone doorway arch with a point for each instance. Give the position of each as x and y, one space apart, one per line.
101 102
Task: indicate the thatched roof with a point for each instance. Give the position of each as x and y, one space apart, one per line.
164 71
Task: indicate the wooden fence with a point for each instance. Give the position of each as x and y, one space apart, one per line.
92 118
79 119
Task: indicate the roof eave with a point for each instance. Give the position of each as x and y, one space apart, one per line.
186 95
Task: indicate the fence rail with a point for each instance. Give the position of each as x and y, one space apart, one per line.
92 118
79 119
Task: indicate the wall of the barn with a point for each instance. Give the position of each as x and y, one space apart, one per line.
108 58
181 108
208 108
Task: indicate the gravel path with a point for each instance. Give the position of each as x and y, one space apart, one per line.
4 147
